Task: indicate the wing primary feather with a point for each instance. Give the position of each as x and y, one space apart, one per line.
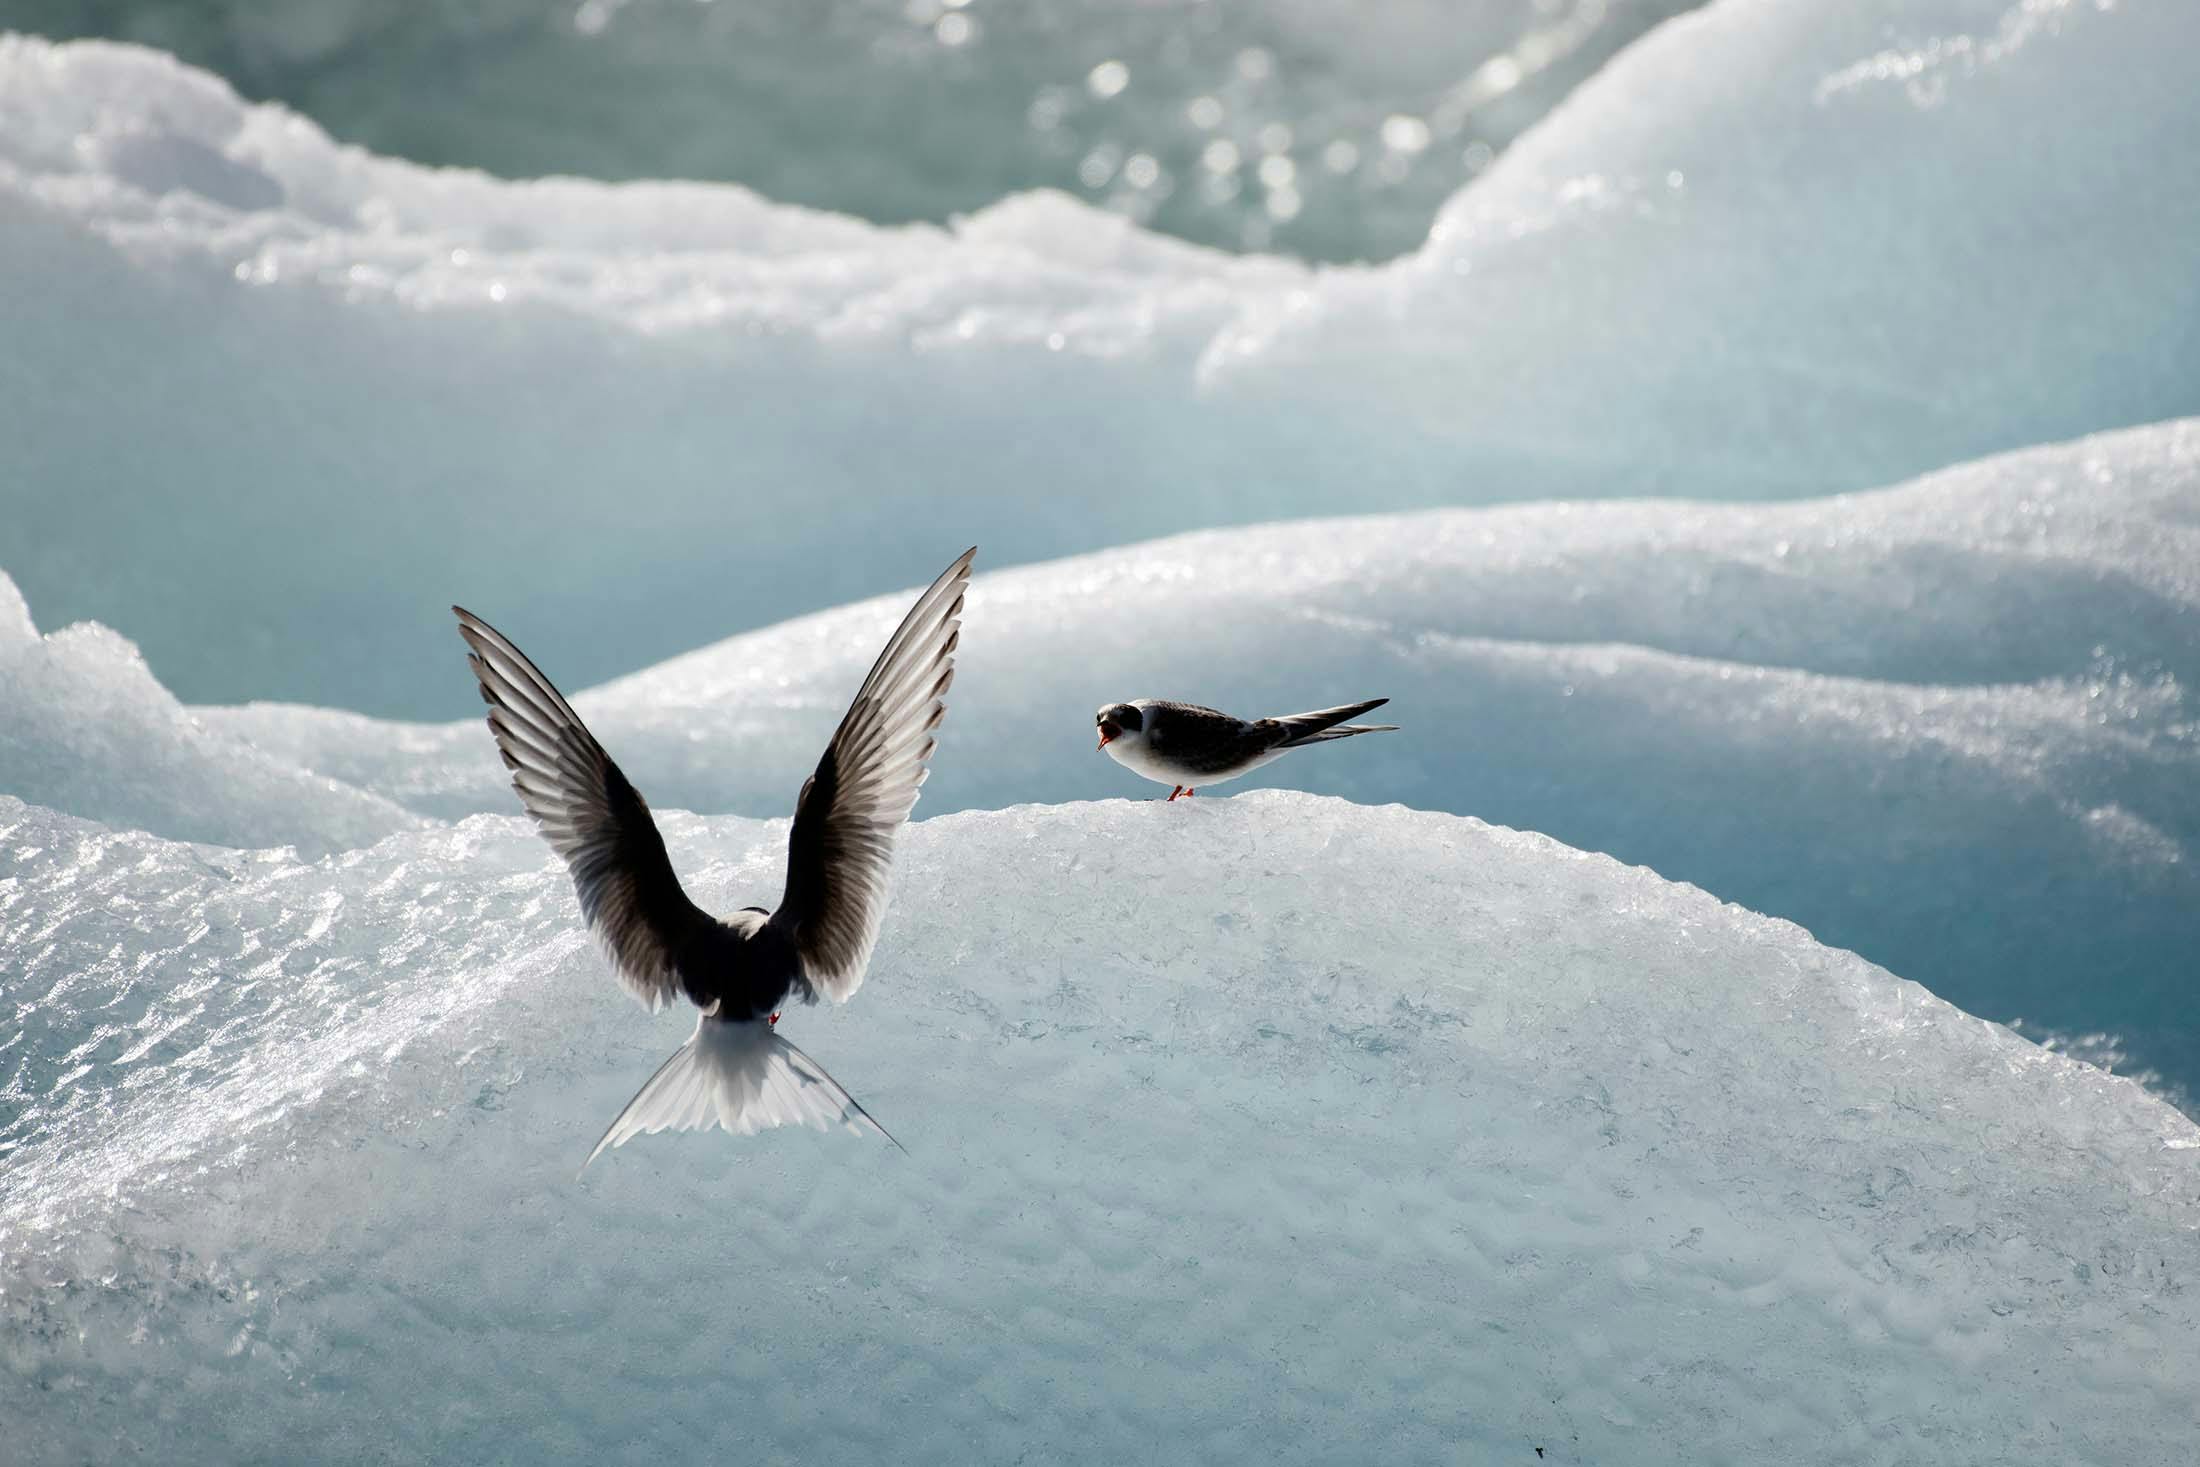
841 846
590 815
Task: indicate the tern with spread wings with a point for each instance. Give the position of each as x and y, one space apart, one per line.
737 1071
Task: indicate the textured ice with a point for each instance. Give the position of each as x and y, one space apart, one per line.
1782 245
1258 1129
84 727
1772 250
918 109
1269 1129
1950 725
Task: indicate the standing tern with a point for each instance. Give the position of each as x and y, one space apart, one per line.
1183 745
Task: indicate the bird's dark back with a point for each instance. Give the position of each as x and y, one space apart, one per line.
744 964
1206 740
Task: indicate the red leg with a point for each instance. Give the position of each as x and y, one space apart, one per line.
1188 793
1174 791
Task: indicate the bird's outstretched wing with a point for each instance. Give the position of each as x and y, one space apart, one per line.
590 815
843 837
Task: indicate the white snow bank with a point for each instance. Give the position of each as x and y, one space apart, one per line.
1267 1130
1735 263
1950 725
84 727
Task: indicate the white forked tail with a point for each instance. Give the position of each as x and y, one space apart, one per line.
741 1076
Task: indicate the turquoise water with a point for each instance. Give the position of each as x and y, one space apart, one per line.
1241 126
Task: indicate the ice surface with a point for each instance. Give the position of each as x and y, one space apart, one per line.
894 110
84 727
1950 725
1773 250
1791 244
1271 1129
1266 1128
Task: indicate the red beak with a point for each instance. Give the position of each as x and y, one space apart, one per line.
1107 731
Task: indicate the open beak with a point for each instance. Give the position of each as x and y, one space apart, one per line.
1107 732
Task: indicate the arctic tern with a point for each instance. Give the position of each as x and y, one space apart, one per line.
737 1071
1183 745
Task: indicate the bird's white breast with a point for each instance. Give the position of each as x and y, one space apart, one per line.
1138 756
1134 755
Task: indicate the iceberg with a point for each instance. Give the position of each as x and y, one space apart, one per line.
1262 1129
1782 248
1949 725
84 727
638 416
1267 1128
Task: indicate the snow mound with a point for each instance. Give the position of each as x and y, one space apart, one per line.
1773 250
85 727
1973 694
1289 1128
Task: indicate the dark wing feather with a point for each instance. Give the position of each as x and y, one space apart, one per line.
842 843
1201 740
1187 728
1292 729
590 815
